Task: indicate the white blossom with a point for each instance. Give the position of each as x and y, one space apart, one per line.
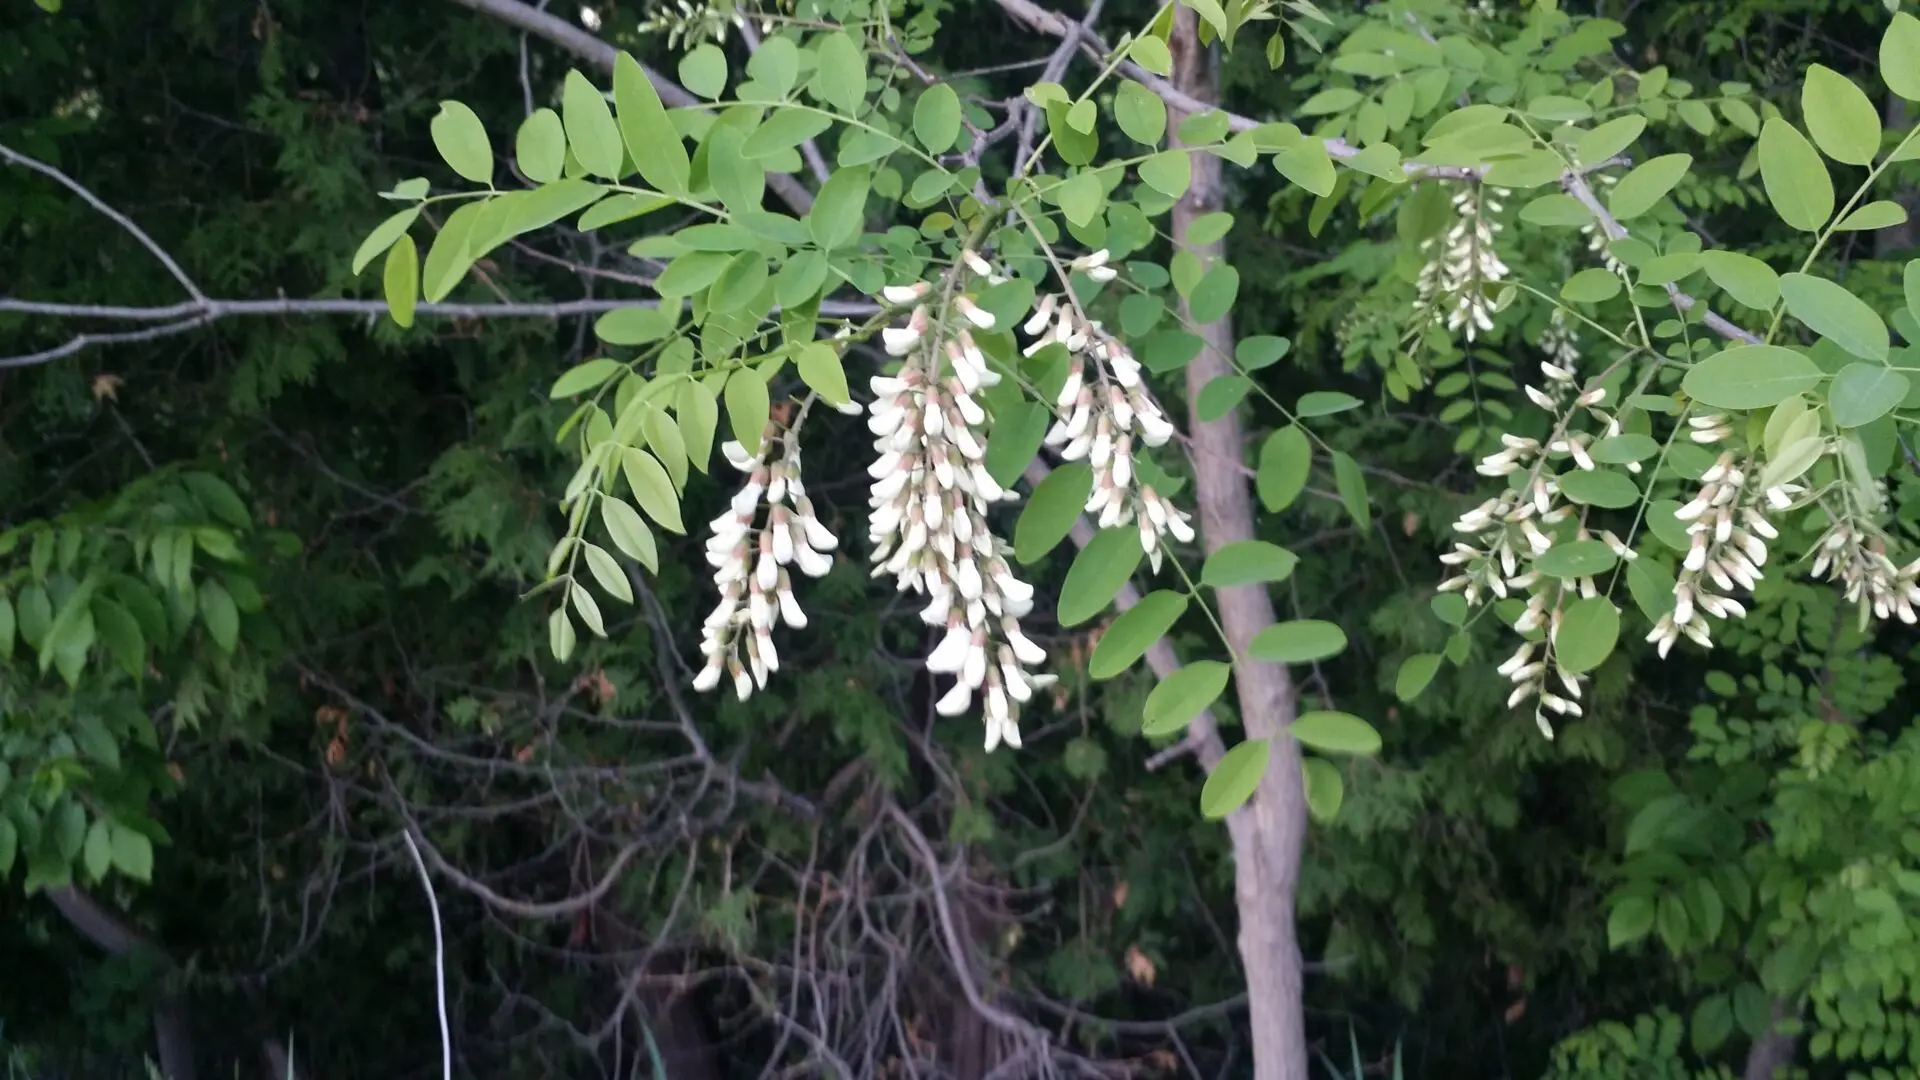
928 523
751 555
1461 262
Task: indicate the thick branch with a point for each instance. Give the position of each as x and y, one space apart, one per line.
171 1033
558 31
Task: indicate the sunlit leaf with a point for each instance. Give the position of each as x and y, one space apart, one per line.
1134 632
1234 780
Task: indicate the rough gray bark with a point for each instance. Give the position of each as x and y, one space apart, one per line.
1267 835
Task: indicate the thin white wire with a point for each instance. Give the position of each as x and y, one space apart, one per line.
439 958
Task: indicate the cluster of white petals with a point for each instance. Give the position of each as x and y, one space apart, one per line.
1506 533
1857 559
1462 261
1727 534
751 563
1103 410
929 503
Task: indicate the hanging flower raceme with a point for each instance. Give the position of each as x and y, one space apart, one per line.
1103 410
751 563
1727 531
929 503
1462 262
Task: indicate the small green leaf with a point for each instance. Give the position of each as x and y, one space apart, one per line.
540 147
699 415
1844 123
1324 403
1576 559
1246 562
1351 485
644 128
400 281
1900 56
936 118
1750 377
383 237
704 71
748 407
820 369
1416 672
584 377
1234 780
1018 431
841 80
1221 395
1306 163
96 853
784 130
591 132
1630 920
1214 295
1603 142
652 488
1051 511
636 325
1152 53
743 278
9 845
1300 642
1712 1021
841 208
1591 286
1647 184
1796 180
1097 573
1863 393
1286 458
629 533
1600 487
462 141
663 435
1745 278
1335 733
561 636
1134 632
1140 113
449 258
1184 695
1168 172
219 615
1589 629
1879 214
1326 789
130 851
607 572
1837 315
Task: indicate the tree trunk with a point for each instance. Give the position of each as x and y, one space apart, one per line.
1267 835
1774 1049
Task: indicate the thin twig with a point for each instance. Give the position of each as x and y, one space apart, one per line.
115 216
439 957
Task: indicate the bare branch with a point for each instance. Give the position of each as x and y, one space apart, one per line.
68 182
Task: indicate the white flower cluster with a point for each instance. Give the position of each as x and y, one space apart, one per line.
1465 260
930 497
750 564
1510 530
1103 409
1727 532
1560 342
1857 558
